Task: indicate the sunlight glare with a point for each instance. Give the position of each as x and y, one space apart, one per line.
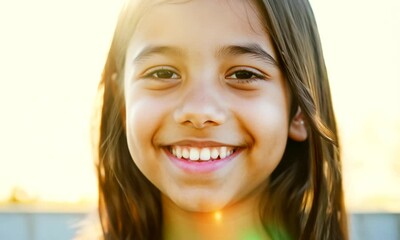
52 54
218 216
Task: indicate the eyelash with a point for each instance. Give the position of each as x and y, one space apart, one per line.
254 76
152 73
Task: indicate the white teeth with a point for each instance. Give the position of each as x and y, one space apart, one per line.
194 154
178 152
205 154
202 154
173 151
185 153
214 153
222 152
229 152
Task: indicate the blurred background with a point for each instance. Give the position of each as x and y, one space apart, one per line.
51 57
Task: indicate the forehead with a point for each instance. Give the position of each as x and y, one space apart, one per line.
234 11
205 21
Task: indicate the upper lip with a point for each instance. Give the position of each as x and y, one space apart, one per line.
201 144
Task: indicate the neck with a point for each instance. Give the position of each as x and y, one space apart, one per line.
238 221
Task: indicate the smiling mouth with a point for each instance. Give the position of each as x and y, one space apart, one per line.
201 154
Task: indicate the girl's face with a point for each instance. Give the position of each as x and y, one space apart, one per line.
207 109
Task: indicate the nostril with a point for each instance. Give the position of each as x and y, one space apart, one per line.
199 112
197 123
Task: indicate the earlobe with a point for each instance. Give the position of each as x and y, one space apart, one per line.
297 127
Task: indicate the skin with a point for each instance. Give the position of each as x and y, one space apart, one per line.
190 89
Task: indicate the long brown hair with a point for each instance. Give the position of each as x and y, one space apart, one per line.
304 199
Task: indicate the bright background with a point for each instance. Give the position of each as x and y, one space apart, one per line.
51 57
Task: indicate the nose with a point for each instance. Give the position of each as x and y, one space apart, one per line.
201 107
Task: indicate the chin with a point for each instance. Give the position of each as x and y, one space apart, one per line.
201 205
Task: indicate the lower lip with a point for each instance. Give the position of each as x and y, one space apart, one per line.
199 166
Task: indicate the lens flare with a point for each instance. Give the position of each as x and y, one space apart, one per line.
218 216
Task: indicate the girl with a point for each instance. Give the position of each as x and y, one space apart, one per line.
217 123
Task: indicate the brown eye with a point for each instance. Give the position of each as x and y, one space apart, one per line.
162 74
161 78
243 75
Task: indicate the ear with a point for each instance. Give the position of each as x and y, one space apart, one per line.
297 128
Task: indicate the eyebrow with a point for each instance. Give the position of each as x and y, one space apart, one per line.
254 50
152 50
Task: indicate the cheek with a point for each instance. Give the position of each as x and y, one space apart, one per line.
144 117
266 118
265 122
